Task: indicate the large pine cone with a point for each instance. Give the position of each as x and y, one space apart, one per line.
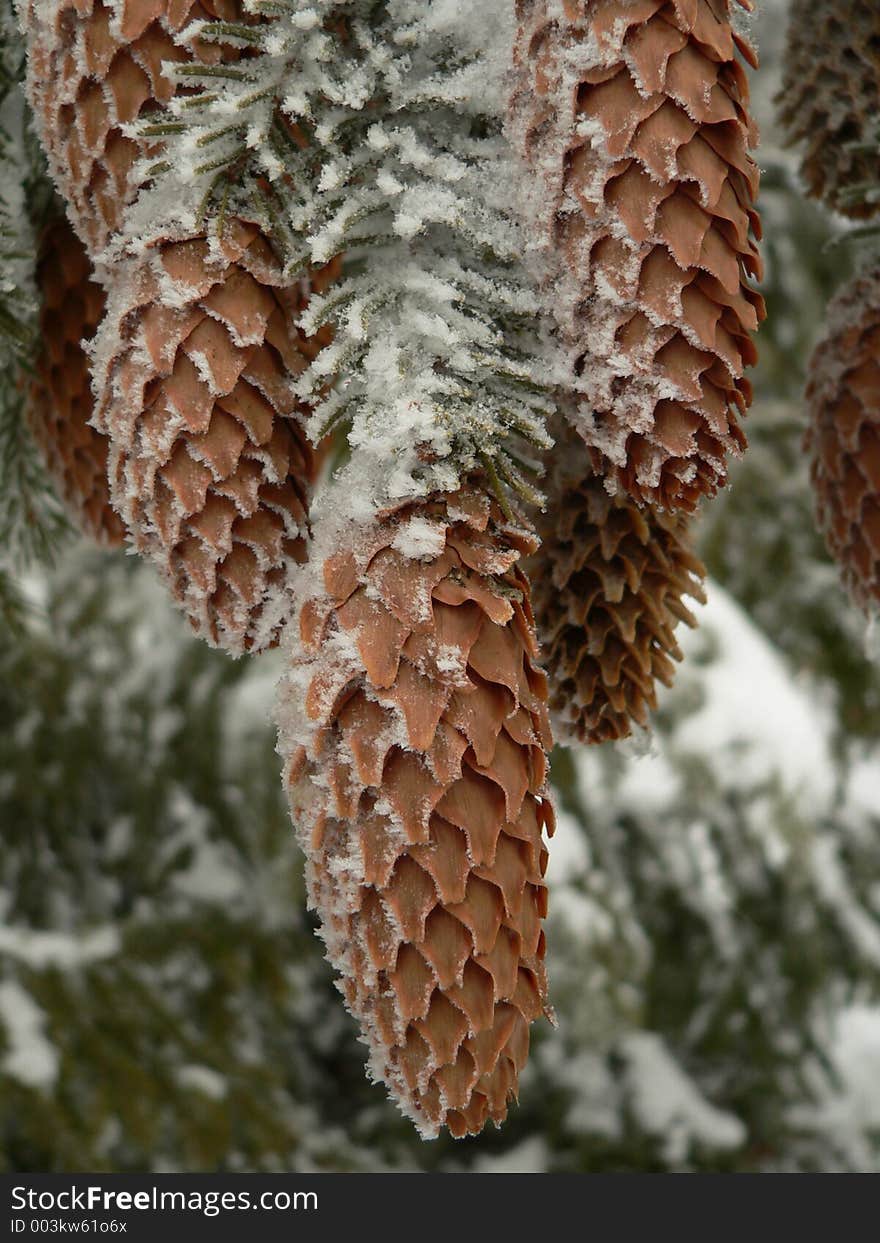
60 399
414 730
830 100
197 357
610 580
843 440
95 67
209 465
633 115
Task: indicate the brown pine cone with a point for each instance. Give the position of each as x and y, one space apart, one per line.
60 398
198 354
633 115
830 100
609 583
843 439
210 466
414 732
95 67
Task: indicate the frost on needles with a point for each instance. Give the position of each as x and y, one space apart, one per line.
374 131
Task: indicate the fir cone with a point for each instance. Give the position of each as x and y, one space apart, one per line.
843 439
197 358
94 68
210 468
633 115
60 399
414 731
830 100
609 584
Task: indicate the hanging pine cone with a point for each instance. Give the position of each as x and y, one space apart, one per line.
843 440
634 119
414 731
830 101
610 580
60 398
209 464
95 68
196 360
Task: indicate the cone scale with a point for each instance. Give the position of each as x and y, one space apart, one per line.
633 121
414 731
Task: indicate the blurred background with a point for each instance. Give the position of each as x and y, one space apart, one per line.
715 926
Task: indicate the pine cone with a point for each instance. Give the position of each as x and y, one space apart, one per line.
60 397
197 357
634 118
830 100
609 581
210 466
414 731
843 439
95 67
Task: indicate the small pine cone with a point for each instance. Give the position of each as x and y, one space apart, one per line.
60 398
843 438
210 467
94 68
609 584
414 731
830 101
633 115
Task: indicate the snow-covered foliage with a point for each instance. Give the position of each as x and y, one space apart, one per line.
714 920
373 130
31 521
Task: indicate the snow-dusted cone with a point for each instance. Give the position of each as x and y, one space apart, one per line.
830 100
609 587
843 440
413 726
60 398
210 467
633 116
94 68
196 360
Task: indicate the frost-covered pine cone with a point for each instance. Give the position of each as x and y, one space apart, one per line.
94 68
609 584
59 403
196 360
210 467
830 100
634 120
843 440
413 728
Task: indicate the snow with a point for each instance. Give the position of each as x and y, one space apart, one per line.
846 1105
64 951
754 725
28 1057
670 1105
202 1079
529 1157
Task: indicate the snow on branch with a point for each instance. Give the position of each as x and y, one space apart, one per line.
373 130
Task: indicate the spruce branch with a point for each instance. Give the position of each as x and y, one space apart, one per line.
374 130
